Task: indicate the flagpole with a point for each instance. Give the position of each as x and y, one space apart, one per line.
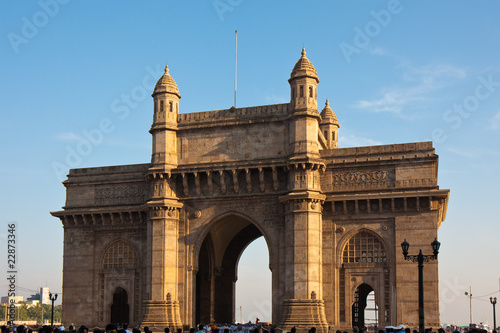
235 62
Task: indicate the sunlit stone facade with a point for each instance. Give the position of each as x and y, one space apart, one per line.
158 244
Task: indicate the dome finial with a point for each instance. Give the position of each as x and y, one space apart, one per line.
303 51
166 69
327 103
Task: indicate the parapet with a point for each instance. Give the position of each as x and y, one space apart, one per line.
234 115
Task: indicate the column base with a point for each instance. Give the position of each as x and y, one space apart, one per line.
161 314
304 314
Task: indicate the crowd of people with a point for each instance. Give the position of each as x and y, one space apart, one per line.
220 328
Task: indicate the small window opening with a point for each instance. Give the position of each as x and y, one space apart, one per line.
161 106
301 91
171 107
310 92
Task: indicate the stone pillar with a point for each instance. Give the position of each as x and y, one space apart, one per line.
303 304
162 308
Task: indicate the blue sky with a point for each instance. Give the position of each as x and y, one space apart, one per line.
393 71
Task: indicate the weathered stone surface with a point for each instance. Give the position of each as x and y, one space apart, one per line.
160 241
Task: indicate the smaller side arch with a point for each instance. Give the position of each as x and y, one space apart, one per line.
345 240
119 283
119 254
120 309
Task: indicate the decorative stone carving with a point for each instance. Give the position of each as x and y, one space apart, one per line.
361 178
120 192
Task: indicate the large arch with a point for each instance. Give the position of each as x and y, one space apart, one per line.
220 246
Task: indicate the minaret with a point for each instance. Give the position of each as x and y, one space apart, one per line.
161 306
303 277
329 126
304 108
166 108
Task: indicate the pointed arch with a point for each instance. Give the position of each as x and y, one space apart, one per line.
354 239
119 254
209 224
364 247
218 247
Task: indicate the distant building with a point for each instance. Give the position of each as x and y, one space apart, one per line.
7 299
41 296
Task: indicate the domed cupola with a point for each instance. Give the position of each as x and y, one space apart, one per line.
304 67
328 116
166 100
329 126
303 84
166 84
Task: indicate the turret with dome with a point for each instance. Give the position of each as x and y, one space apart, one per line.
166 108
329 126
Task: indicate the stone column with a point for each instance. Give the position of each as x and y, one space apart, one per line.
303 304
162 308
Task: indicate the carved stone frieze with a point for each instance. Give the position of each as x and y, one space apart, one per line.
120 192
364 177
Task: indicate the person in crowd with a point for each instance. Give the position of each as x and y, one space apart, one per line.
110 328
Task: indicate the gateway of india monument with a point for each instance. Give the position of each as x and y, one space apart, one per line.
158 244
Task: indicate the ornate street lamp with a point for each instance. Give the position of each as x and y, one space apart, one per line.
493 301
52 299
420 259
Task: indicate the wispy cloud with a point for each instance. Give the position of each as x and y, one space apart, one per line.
417 85
356 141
276 99
69 136
463 152
495 123
378 51
474 153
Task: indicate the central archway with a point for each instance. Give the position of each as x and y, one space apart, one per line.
218 259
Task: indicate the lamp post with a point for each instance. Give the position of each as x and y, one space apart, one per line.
52 299
420 259
470 305
493 301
